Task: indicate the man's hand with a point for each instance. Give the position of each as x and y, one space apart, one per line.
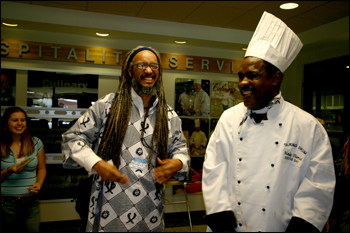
109 172
166 170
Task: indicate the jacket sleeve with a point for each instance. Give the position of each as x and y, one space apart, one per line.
314 198
177 146
78 142
217 182
204 139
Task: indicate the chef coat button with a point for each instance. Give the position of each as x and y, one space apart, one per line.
241 139
272 165
239 203
240 224
263 209
280 124
268 187
239 182
276 142
240 159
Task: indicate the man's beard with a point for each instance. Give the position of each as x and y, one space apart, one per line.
145 91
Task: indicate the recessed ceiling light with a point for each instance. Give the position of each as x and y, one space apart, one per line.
102 34
347 67
289 6
10 24
180 41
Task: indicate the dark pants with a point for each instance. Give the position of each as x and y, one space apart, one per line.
20 214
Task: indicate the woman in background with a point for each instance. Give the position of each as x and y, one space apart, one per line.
20 184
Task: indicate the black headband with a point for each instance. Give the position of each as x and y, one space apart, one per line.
137 51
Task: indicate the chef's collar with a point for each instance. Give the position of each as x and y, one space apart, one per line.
265 109
276 100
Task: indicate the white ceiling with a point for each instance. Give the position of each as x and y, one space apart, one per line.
242 15
237 16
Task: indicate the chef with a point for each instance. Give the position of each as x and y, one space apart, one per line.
268 165
198 140
202 100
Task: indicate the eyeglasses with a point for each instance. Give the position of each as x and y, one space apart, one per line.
143 66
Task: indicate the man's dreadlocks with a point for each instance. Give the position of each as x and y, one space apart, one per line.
119 116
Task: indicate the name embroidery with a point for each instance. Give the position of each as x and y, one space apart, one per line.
293 158
289 144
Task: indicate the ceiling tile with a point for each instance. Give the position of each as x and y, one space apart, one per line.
273 7
325 13
243 15
72 5
299 25
214 15
247 5
118 7
168 10
248 21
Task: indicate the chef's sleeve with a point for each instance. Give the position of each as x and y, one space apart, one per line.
217 183
314 198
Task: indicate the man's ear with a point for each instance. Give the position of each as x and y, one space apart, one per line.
277 78
130 72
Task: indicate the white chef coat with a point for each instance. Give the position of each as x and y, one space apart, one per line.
202 103
225 98
268 172
183 99
198 138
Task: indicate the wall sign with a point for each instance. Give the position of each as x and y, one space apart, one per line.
106 56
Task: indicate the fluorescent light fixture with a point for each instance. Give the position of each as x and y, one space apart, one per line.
244 49
102 34
180 41
68 100
10 24
30 92
289 6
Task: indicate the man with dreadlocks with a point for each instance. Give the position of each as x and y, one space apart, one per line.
133 143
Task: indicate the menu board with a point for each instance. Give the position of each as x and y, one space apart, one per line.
61 183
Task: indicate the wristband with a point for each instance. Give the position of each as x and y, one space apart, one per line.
9 171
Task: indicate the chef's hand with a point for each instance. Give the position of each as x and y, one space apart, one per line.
166 170
109 172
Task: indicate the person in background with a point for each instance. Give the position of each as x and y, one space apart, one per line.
232 99
339 219
268 165
133 143
20 185
198 140
225 99
202 100
186 100
335 151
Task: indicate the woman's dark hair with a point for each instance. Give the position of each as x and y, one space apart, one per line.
27 145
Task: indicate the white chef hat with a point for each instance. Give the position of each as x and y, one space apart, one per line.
199 81
275 42
197 123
